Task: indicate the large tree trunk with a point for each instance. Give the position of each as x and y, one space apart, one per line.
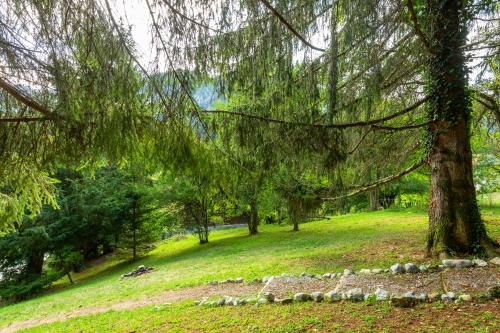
205 226
455 225
373 195
35 263
134 244
295 224
253 222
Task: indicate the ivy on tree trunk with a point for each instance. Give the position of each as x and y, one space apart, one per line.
455 225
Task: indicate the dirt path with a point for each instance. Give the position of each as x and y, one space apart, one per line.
472 280
169 296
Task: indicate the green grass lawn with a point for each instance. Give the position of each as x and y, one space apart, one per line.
364 240
305 317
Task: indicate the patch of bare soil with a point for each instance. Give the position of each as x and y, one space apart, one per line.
282 287
471 280
395 284
169 296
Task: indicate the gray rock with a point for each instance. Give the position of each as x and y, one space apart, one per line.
457 263
365 271
465 298
332 296
265 279
303 274
377 270
347 272
327 275
495 261
231 301
411 268
387 270
221 301
418 297
268 296
229 280
441 267
402 301
317 296
397 269
285 275
355 294
381 294
301 297
242 301
479 263
213 283
197 302
257 281
448 297
239 280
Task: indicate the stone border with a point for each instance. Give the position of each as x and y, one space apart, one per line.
394 269
407 299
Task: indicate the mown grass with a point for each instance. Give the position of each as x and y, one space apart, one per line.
356 241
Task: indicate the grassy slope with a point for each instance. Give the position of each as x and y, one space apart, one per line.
359 240
306 317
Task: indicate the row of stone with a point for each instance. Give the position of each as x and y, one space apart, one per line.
394 269
447 263
229 280
408 299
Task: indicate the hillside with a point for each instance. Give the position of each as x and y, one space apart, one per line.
355 241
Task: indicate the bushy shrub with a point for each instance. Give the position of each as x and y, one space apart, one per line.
16 287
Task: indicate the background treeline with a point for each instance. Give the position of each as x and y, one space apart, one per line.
97 214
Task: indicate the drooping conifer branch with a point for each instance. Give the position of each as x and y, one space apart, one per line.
400 128
339 126
370 186
187 18
24 99
416 26
290 27
24 119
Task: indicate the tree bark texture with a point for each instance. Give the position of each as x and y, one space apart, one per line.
455 225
